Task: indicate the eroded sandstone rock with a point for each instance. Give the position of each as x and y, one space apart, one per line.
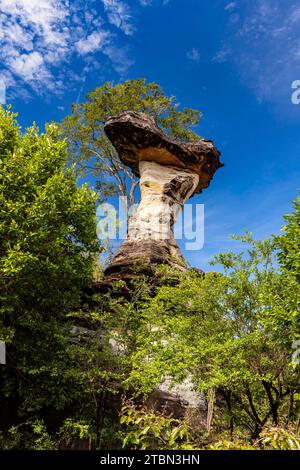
170 173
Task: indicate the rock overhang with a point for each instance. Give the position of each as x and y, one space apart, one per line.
136 138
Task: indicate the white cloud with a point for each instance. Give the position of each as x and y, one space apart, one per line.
230 6
119 15
194 54
43 18
34 38
39 38
92 43
145 3
264 45
222 55
27 66
120 58
2 91
294 15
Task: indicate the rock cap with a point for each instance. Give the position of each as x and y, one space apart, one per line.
136 137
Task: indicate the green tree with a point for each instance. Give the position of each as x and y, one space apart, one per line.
216 330
47 249
285 318
289 242
91 149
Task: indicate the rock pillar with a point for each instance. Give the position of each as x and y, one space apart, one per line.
170 173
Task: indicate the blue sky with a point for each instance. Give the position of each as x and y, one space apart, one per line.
233 60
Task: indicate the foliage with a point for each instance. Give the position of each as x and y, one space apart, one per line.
219 333
271 438
286 321
31 435
47 248
227 444
289 242
278 438
72 429
146 430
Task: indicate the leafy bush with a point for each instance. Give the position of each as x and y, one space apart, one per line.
143 429
278 438
29 435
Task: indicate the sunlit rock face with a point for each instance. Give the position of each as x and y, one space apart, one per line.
170 173
164 190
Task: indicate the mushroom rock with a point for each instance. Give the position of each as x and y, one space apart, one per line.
170 173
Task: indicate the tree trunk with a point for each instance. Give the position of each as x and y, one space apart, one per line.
273 404
227 396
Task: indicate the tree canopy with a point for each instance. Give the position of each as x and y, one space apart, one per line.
47 248
289 242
